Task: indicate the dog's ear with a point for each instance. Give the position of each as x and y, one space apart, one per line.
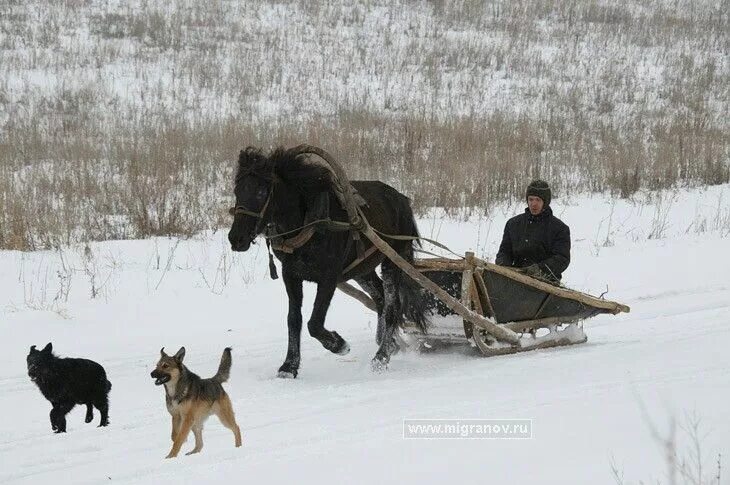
32 349
48 348
180 355
162 352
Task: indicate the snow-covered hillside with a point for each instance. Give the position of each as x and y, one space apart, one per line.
664 254
122 119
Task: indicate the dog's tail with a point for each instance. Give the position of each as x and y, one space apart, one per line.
224 369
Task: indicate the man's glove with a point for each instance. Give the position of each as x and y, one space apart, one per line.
533 270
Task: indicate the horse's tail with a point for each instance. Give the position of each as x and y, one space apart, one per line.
411 294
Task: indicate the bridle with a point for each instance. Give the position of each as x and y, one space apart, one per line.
260 215
240 209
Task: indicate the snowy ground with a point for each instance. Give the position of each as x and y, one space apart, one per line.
340 422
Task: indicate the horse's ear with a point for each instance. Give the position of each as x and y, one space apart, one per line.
246 156
242 158
48 348
180 355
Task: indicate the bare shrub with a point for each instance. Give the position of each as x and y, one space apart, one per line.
685 458
120 120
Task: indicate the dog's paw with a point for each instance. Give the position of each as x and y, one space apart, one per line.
170 455
192 452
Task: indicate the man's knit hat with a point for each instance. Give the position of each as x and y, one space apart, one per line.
541 189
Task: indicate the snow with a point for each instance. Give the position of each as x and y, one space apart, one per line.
338 420
453 65
571 333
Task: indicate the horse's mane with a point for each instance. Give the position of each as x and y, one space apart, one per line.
296 171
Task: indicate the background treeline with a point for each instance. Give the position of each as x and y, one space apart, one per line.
122 120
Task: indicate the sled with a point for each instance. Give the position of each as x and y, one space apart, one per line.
542 314
500 310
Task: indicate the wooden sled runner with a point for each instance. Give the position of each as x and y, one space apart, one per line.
501 310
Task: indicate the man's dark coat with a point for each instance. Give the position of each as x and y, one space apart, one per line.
542 239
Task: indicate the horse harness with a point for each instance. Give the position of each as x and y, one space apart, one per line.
278 242
288 245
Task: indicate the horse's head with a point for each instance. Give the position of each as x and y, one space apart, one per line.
253 190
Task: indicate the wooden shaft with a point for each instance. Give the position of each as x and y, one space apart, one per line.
440 264
357 261
360 296
359 222
500 333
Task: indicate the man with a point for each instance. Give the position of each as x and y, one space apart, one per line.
537 242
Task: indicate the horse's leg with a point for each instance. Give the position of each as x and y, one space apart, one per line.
392 315
293 284
330 340
373 286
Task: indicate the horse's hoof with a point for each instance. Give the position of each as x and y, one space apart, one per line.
378 365
287 371
344 349
394 347
337 345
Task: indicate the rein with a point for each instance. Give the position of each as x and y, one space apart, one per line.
306 231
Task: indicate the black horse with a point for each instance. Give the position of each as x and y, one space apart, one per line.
278 194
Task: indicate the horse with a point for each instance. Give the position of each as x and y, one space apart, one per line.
288 196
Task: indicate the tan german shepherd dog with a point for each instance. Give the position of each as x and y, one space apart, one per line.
191 400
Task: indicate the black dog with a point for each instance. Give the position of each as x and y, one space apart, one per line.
67 382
